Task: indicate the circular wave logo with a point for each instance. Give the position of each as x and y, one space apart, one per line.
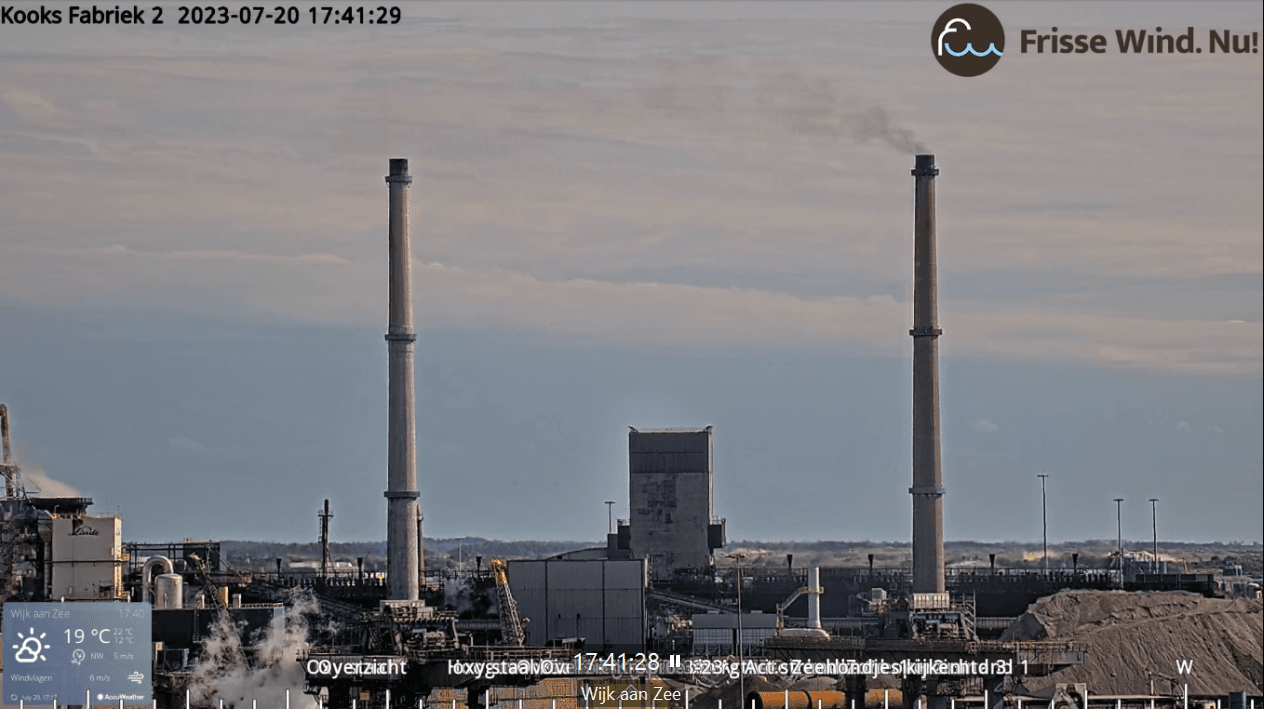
967 39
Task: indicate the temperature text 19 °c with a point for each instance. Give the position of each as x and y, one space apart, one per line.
106 636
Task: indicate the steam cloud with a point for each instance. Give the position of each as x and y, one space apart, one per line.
222 674
459 593
37 482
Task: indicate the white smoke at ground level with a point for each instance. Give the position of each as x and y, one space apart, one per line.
224 675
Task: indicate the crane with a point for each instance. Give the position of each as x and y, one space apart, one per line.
231 653
512 628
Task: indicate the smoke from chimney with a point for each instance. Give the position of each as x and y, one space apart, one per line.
702 91
874 123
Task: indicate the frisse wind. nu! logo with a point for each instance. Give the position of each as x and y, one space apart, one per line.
967 39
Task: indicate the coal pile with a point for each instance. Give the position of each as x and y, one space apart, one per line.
1134 636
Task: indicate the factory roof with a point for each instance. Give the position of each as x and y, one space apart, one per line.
65 505
675 430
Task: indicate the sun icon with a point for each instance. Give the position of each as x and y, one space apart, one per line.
31 649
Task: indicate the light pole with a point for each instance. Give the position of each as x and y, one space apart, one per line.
741 650
1119 525
1044 519
610 514
1154 524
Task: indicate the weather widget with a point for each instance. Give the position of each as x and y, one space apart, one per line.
66 652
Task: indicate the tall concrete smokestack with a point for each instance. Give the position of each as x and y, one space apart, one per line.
403 527
928 480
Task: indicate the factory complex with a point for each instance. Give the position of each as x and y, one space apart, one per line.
659 609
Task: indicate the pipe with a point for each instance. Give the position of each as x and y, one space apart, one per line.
324 539
147 574
796 699
421 552
928 484
814 597
402 510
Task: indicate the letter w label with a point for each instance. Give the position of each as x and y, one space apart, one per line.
1185 666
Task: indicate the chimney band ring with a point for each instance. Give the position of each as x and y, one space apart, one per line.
935 491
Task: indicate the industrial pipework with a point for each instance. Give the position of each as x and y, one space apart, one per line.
8 469
147 575
403 526
928 482
814 590
814 597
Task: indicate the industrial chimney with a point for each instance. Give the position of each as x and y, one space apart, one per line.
928 481
403 526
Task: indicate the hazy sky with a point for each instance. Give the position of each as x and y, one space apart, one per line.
640 214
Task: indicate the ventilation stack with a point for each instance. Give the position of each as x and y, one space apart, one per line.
928 480
403 528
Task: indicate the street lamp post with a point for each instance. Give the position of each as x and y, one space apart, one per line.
1044 520
610 514
1154 524
1119 526
741 647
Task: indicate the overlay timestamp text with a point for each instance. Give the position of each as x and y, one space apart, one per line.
351 15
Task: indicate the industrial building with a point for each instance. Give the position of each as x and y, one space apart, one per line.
599 602
50 547
87 560
54 550
715 633
671 482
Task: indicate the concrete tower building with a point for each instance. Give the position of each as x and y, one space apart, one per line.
670 483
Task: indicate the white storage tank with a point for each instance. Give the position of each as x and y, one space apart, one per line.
169 591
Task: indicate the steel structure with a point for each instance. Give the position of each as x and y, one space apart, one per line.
324 517
7 468
511 627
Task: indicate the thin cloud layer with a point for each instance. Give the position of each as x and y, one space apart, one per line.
327 288
763 172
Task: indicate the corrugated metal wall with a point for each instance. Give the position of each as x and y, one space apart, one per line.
601 601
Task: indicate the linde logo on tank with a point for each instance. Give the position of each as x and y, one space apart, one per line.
73 15
1139 41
